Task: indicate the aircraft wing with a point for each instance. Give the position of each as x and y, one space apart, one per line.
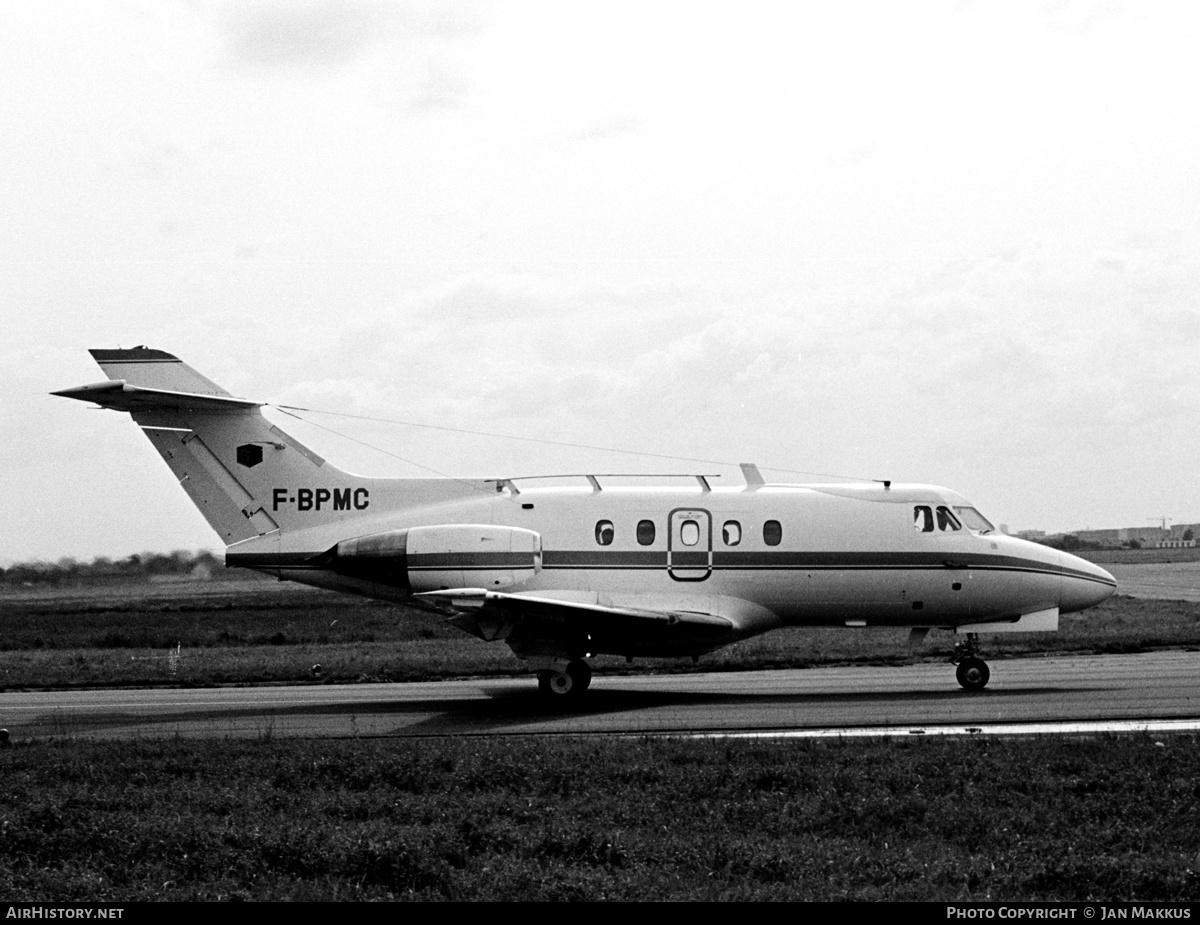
467 599
494 614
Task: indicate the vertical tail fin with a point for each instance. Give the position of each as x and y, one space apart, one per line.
246 476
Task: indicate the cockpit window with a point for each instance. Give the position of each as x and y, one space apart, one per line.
974 520
946 520
927 519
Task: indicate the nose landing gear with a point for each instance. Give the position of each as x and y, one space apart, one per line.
972 673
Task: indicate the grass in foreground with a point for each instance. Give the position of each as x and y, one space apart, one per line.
1050 819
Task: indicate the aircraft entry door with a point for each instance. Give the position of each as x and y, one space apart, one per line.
689 544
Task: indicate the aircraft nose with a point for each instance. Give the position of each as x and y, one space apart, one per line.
1084 584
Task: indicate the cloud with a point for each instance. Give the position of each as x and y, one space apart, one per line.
307 33
357 395
441 87
405 50
610 126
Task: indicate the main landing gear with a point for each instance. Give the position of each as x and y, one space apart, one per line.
566 684
972 671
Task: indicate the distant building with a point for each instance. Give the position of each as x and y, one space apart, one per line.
1178 536
1146 536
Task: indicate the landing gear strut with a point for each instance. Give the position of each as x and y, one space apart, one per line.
566 684
972 671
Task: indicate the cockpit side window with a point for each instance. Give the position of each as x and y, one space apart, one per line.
927 519
946 520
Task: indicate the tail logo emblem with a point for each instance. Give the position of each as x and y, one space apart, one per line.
249 455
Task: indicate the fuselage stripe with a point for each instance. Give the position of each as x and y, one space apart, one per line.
721 562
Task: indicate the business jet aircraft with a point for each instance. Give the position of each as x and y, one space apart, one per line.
562 573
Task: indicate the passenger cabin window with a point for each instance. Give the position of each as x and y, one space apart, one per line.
689 533
772 533
604 532
645 532
731 533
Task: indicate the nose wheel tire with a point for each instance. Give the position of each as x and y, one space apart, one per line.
973 674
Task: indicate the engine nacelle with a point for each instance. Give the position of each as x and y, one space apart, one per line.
442 556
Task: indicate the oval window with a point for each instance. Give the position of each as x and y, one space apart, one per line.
645 532
689 533
772 533
731 533
604 532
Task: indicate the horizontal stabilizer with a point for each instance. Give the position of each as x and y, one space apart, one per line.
121 396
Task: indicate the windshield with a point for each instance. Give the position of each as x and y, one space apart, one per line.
974 520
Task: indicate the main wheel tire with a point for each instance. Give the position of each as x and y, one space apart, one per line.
973 674
561 685
582 674
567 685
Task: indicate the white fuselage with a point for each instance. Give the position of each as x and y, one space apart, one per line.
788 555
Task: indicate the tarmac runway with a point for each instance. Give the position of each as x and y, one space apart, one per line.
1115 691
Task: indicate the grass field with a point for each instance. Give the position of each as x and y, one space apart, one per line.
1141 556
583 819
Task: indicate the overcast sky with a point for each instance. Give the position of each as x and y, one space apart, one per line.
938 242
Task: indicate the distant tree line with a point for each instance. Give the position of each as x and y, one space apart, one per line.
146 565
1069 542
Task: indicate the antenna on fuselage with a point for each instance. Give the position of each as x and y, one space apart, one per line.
754 479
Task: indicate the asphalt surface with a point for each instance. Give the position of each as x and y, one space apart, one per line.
1042 691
